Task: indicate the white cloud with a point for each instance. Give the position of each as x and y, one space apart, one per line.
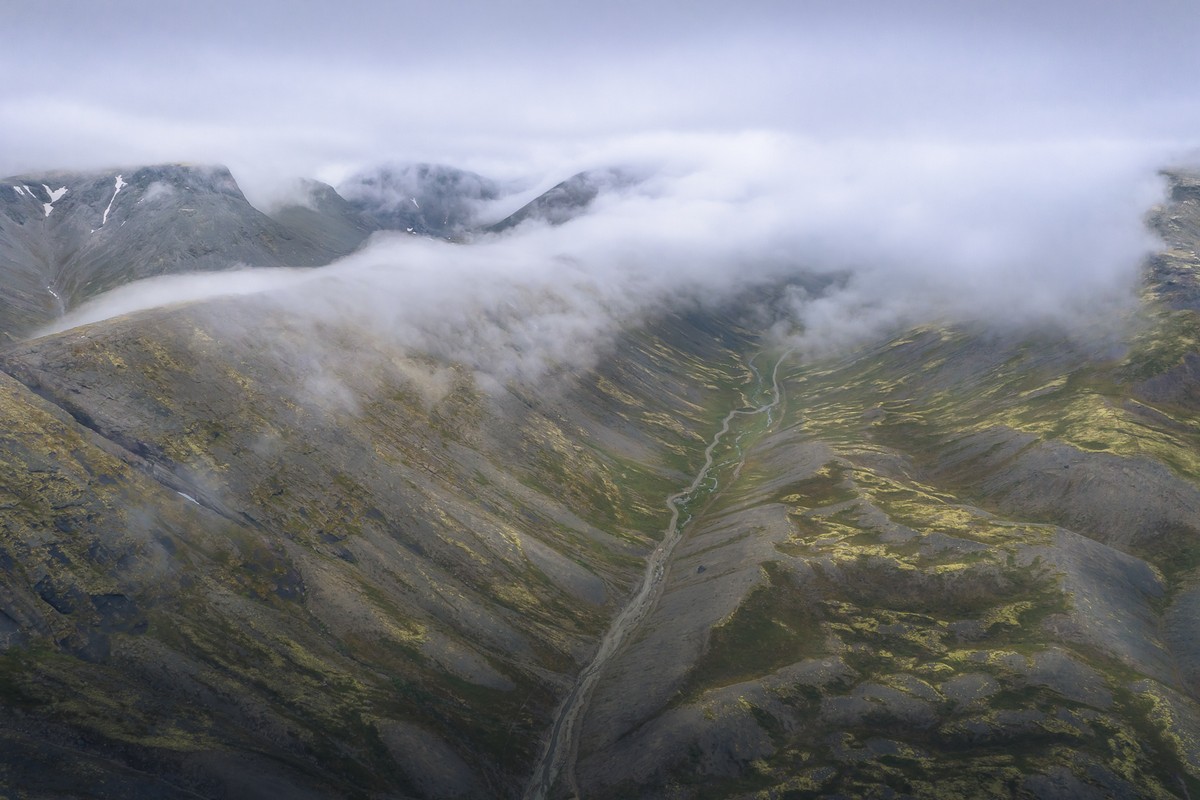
913 231
946 160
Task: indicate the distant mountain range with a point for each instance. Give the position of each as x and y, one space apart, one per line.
69 236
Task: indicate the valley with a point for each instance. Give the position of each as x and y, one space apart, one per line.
252 551
562 741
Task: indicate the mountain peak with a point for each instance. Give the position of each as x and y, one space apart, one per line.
66 236
568 199
420 198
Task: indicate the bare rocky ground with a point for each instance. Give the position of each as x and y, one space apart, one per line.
956 565
962 566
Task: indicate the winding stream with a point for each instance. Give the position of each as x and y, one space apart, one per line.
563 739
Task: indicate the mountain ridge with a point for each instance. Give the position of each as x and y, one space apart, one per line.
195 218
111 228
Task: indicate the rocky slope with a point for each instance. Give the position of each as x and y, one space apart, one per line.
224 575
962 565
249 555
65 237
566 200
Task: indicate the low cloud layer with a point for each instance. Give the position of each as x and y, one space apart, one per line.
516 89
936 160
906 232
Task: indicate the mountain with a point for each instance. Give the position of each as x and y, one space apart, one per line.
250 589
248 554
566 200
327 222
423 199
962 564
66 237
69 236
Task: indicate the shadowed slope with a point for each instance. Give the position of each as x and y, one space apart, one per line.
262 574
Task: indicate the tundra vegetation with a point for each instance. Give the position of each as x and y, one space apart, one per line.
960 562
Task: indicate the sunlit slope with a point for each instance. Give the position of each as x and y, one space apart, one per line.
963 565
233 567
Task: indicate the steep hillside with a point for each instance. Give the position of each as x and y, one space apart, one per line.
962 565
233 571
326 221
246 553
65 237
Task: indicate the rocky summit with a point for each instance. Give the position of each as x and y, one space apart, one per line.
955 562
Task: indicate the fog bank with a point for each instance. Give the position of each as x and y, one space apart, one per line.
1005 234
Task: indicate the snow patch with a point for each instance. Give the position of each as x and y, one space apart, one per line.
60 306
54 195
19 191
188 497
415 203
116 191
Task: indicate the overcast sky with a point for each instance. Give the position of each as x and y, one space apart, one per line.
950 160
313 88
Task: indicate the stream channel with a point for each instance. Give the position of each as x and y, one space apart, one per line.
562 741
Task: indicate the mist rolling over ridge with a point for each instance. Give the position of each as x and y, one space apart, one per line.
913 233
618 400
